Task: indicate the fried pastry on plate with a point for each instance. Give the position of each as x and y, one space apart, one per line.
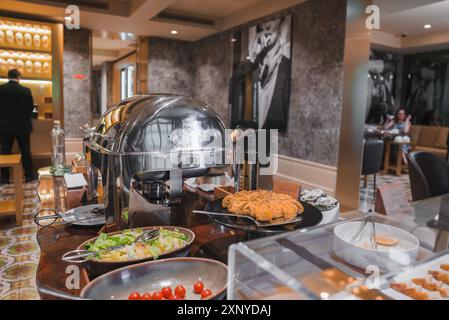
263 205
445 267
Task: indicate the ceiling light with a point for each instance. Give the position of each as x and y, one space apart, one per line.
174 32
427 26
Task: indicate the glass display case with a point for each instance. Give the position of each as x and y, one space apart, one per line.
327 263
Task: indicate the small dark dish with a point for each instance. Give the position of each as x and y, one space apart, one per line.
152 276
310 217
96 267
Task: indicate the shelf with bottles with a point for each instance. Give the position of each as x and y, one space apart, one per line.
35 66
21 35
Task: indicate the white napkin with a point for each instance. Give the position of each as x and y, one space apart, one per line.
75 180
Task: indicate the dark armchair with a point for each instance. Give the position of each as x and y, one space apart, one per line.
429 175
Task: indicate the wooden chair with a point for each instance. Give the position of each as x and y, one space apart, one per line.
10 207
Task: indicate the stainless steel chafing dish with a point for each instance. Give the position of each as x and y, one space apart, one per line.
145 146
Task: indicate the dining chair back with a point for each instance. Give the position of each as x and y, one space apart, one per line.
372 159
429 175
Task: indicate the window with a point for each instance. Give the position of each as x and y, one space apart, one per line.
127 82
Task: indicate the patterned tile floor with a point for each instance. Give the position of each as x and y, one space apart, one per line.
19 251
367 194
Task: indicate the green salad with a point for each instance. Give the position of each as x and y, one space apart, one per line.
168 240
60 170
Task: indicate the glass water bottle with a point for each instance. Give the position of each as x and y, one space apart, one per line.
57 145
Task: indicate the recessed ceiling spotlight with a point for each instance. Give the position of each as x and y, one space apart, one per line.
174 32
427 26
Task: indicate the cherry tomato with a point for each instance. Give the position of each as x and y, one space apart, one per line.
157 295
170 297
180 292
166 292
198 287
205 293
134 296
146 296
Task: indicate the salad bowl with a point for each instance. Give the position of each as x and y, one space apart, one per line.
98 266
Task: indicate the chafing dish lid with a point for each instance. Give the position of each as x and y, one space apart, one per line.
160 124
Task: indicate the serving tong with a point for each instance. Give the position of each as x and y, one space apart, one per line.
80 256
65 217
369 218
257 223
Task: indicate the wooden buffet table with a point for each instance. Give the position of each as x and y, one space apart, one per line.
212 240
428 221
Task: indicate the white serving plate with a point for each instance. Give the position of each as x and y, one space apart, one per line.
385 258
419 271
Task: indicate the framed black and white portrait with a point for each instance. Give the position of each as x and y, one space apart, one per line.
260 85
382 77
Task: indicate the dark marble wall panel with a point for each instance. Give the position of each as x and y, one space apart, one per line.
213 69
170 67
77 91
96 93
317 81
317 74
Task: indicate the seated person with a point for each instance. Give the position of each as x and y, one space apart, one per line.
402 123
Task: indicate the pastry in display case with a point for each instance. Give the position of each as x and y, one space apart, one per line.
427 281
311 264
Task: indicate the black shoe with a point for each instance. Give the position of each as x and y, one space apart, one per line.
32 178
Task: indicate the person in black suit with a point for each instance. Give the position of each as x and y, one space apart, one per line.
16 107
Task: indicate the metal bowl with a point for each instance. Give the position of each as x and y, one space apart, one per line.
154 275
96 267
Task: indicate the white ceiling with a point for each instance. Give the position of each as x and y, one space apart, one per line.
109 18
138 17
109 48
410 18
402 25
212 9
